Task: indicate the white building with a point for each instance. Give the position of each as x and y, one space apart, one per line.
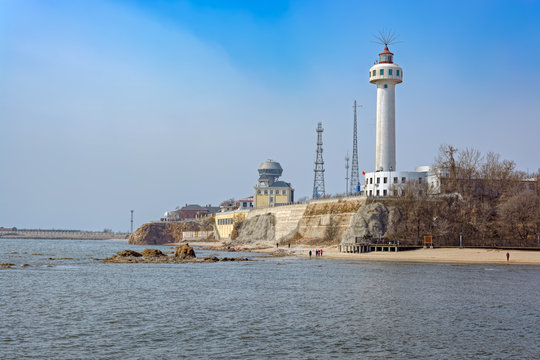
386 180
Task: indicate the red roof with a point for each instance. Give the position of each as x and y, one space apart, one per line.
386 51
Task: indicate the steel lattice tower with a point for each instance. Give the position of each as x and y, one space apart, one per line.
347 174
318 181
355 176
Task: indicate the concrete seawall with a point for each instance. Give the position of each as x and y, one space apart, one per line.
286 219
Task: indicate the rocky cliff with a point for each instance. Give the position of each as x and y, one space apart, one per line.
371 220
324 222
259 228
163 233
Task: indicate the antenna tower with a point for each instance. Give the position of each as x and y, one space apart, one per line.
355 176
387 37
347 174
318 181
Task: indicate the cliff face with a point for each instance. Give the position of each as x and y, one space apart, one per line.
319 223
162 233
371 220
259 228
325 223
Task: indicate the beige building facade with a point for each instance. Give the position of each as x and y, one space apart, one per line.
269 191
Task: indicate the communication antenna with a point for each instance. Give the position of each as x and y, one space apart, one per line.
318 180
355 176
386 37
347 174
131 221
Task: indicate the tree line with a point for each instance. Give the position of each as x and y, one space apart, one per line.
480 197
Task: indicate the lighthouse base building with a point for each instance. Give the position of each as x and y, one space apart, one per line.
392 183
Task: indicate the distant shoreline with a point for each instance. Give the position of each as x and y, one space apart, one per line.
92 238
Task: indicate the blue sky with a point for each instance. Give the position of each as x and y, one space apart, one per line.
108 106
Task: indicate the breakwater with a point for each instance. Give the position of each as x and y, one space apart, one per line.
60 234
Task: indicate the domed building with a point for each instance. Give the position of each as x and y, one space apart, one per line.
269 191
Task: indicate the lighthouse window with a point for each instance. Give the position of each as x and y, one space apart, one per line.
385 179
378 180
381 72
374 72
371 180
395 180
385 86
389 71
397 72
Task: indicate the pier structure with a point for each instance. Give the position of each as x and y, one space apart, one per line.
361 246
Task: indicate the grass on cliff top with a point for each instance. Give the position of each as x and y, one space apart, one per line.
340 207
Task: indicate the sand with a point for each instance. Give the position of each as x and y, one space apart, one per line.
443 255
438 255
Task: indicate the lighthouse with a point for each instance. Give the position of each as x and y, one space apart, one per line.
386 75
386 180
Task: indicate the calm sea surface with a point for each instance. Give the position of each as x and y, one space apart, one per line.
278 308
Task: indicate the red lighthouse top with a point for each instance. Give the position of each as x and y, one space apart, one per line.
386 57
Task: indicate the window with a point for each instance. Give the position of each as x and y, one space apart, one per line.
371 180
397 72
378 192
385 180
265 192
271 198
374 72
381 72
284 192
271 191
389 71
385 86
395 180
403 179
378 181
384 192
259 191
370 192
383 57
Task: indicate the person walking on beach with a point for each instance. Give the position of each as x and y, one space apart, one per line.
507 256
310 254
277 245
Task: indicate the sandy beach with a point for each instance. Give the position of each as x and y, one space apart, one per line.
446 255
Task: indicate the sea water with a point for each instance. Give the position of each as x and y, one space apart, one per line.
269 308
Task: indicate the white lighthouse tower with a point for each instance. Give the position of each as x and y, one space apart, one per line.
385 74
386 180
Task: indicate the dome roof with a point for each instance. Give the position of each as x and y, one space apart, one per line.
270 168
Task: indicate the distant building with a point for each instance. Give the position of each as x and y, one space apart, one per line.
192 211
269 191
242 204
225 221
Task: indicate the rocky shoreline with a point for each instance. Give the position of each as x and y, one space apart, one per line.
182 254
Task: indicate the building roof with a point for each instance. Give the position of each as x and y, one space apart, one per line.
281 184
194 207
212 209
